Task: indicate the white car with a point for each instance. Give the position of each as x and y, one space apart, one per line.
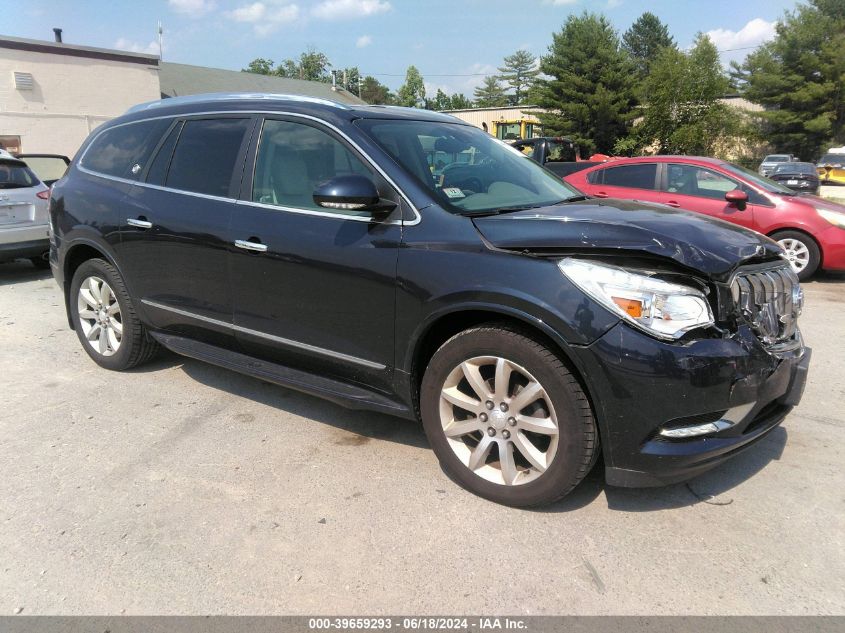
24 217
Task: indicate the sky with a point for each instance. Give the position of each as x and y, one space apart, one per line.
454 43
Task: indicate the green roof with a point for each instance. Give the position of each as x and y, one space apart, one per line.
179 80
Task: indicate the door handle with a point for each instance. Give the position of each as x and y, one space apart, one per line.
141 224
600 194
672 203
248 245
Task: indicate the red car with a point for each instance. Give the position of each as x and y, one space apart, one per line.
811 230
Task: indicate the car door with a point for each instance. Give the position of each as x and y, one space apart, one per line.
637 181
313 287
174 243
702 189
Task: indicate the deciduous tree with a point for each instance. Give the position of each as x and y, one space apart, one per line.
684 114
374 92
412 93
459 102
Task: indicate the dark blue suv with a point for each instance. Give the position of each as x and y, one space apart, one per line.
401 261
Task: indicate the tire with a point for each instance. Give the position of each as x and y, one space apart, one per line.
127 342
41 263
564 455
802 250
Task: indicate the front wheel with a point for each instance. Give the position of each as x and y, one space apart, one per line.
802 252
104 318
506 418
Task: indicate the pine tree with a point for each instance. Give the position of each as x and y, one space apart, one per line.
519 72
590 91
644 41
799 77
490 94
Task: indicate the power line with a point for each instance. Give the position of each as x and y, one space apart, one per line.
725 50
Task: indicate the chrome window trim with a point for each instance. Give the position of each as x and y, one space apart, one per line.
270 337
417 217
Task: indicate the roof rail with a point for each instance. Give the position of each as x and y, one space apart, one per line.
232 96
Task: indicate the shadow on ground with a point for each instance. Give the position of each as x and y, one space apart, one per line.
712 488
364 424
21 271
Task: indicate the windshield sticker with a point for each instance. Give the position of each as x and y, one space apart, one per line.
454 192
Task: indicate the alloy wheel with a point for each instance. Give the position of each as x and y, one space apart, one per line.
797 253
499 420
99 316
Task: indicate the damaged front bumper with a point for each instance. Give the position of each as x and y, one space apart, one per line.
726 393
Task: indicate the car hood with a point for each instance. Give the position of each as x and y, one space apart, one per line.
706 245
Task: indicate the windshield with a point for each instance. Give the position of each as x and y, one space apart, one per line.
467 170
776 158
795 168
14 175
760 181
832 159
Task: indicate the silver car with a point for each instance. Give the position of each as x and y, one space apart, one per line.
24 218
773 160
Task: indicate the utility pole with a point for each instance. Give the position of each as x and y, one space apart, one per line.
160 43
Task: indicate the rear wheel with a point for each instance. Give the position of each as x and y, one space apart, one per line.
105 320
802 252
506 418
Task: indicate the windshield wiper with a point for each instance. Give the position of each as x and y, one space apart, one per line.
578 198
501 210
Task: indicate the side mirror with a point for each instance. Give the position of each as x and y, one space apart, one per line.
737 198
353 193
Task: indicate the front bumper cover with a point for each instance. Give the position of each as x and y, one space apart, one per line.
639 384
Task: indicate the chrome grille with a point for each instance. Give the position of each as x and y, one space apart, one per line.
770 299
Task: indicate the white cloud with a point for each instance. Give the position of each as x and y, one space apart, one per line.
560 3
193 8
754 33
265 17
249 12
363 41
124 44
612 4
343 9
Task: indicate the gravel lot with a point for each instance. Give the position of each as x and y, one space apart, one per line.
181 488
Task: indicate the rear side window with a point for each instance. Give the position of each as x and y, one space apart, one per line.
205 156
123 151
16 176
161 163
640 176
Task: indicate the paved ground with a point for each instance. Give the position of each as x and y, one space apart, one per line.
183 488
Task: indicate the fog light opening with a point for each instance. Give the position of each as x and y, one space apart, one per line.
729 418
697 429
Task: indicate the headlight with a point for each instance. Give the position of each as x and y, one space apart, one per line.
662 309
834 217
